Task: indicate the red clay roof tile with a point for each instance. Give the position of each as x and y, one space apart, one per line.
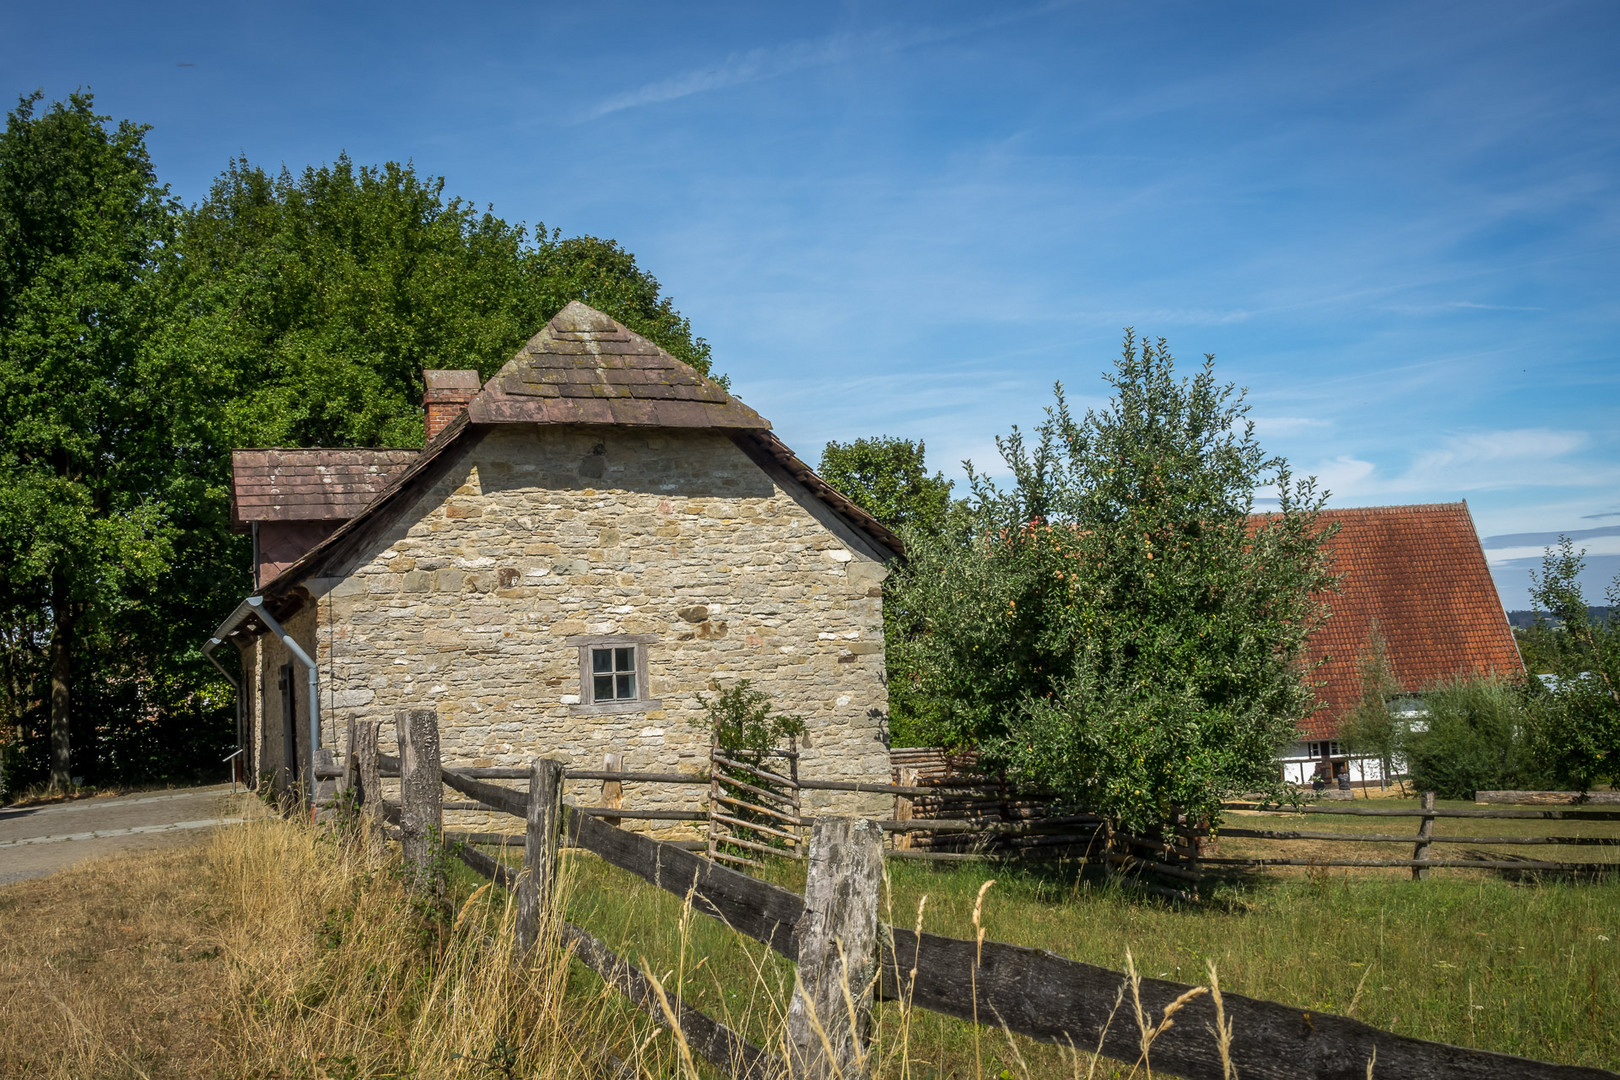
1419 574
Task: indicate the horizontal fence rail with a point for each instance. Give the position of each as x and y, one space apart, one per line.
1396 838
1549 814
986 818
1029 991
945 818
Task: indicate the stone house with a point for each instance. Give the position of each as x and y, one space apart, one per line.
587 542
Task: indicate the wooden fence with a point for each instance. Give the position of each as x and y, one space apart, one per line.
1181 854
847 958
1425 839
946 809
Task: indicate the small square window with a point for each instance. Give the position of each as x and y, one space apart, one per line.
613 674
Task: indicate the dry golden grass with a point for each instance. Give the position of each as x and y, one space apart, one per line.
111 970
278 950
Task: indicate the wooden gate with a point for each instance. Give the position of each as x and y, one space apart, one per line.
753 810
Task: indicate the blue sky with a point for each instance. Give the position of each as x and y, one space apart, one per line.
1397 224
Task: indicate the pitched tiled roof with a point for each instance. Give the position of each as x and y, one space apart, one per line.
309 485
585 368
1420 572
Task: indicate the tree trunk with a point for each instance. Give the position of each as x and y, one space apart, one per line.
61 695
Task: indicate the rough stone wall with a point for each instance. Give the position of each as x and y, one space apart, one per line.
542 534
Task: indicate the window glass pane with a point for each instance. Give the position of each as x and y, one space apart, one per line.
601 659
627 686
624 659
604 688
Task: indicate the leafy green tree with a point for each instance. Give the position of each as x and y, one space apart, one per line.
86 230
1114 626
1538 647
1574 730
1371 731
314 302
140 343
889 479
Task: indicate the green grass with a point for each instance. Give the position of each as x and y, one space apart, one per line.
1529 969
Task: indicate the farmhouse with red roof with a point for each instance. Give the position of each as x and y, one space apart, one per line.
1418 575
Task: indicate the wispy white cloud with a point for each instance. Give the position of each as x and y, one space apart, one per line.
1608 545
1526 458
734 70
1457 305
1542 539
1346 476
1281 426
771 62
1157 317
1491 448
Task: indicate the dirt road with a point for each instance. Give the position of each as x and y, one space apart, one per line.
38 840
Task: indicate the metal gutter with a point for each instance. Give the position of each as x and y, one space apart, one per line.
256 603
232 623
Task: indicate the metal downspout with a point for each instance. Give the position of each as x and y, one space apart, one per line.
236 687
297 650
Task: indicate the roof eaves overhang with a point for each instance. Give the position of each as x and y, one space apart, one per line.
849 511
295 574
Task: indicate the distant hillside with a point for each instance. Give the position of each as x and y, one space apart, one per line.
1524 619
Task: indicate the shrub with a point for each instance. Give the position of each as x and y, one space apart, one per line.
1575 729
1473 740
742 718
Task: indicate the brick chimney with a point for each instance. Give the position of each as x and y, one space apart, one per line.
448 393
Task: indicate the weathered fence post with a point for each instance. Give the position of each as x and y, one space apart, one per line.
1425 837
795 792
612 790
831 1010
363 755
712 832
421 795
539 876
348 781
904 806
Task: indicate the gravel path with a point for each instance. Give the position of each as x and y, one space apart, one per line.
39 840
